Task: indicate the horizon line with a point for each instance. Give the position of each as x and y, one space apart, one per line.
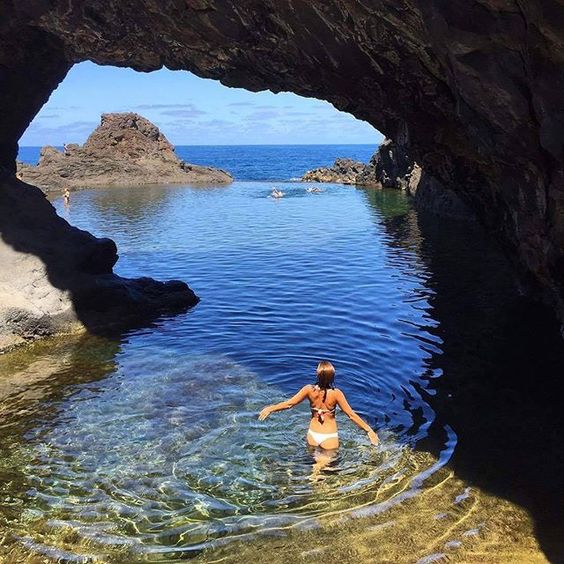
235 145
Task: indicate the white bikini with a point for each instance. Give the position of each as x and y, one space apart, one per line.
321 437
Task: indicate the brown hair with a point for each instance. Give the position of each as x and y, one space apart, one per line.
325 376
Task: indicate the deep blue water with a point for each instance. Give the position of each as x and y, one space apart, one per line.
149 443
256 162
282 285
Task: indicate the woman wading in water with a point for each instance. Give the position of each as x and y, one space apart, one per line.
323 399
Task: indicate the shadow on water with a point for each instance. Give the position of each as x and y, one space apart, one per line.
501 366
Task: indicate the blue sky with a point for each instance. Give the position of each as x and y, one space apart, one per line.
190 111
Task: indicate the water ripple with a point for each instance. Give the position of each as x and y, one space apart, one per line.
163 454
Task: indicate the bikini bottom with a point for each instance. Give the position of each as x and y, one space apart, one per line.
321 437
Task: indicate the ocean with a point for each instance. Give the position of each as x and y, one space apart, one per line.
271 163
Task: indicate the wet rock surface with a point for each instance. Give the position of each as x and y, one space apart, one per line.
56 278
473 88
125 149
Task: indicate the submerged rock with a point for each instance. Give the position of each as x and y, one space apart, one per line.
125 149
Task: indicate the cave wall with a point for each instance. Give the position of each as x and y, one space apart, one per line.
473 87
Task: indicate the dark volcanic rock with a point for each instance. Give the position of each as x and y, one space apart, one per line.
430 195
56 278
125 149
392 167
343 171
474 88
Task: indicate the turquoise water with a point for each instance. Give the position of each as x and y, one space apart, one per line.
147 447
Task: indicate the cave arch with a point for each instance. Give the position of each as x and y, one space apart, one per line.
473 89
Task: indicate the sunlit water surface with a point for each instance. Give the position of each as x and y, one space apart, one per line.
148 447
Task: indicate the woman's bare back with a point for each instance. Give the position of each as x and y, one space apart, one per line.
322 399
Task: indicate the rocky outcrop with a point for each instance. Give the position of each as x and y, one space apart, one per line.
56 278
125 149
343 171
391 166
473 87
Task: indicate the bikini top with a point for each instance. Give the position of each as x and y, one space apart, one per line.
320 412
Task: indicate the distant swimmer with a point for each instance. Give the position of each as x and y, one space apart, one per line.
314 190
276 193
66 197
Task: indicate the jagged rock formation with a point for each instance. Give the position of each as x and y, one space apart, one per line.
56 278
473 87
391 166
343 171
125 149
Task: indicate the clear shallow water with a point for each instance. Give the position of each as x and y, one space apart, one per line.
256 162
148 447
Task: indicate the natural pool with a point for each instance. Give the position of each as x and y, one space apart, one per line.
146 447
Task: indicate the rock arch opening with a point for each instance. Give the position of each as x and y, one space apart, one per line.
471 89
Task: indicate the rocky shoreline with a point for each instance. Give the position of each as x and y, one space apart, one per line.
389 167
125 149
58 279
392 167
343 171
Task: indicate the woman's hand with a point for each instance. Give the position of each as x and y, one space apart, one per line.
373 437
265 412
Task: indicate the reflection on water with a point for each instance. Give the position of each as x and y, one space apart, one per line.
148 449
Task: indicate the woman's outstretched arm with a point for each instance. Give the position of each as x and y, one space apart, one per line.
294 400
351 414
